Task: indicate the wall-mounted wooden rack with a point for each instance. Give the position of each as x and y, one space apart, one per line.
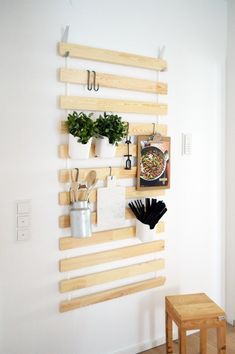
131 193
117 254
77 76
111 294
106 276
114 105
111 56
134 129
66 243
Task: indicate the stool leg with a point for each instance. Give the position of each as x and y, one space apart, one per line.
169 341
182 341
203 341
221 338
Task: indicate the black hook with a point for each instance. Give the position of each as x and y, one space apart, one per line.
94 82
89 87
128 160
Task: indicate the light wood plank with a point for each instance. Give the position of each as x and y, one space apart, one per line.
134 129
121 150
114 105
64 220
110 294
97 237
110 275
131 193
76 76
101 173
117 254
66 243
111 56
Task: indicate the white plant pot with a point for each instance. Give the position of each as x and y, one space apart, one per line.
103 148
78 150
144 233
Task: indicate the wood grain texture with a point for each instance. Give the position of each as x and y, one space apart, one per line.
121 150
110 275
193 343
66 243
134 129
101 173
64 220
113 105
117 254
131 192
110 294
111 56
76 76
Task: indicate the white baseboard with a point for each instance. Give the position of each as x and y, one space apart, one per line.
141 347
138 348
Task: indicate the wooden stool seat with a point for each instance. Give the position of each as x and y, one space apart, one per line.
194 311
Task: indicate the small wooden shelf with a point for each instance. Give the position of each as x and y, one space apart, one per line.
111 294
111 56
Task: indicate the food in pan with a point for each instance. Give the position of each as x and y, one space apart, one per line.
152 163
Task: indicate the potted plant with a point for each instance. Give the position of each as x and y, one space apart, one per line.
109 131
81 131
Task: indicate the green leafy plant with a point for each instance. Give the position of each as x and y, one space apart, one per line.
81 126
111 126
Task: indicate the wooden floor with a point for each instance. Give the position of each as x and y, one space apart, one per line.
193 343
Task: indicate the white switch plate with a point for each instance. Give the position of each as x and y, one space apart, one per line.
186 144
23 221
23 234
23 207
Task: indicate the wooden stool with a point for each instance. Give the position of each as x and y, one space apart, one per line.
194 311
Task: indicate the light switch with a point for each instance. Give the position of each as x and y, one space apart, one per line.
23 234
23 207
23 221
186 144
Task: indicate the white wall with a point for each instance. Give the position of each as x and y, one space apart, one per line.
230 151
194 33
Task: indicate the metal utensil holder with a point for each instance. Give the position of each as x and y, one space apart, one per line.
80 219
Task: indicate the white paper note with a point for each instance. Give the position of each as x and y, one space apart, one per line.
111 207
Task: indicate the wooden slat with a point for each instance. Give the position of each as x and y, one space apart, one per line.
134 128
131 192
110 275
101 173
113 81
114 105
66 243
88 260
120 151
111 56
97 237
110 294
64 220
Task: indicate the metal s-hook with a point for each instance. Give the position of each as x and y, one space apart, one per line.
89 86
94 82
